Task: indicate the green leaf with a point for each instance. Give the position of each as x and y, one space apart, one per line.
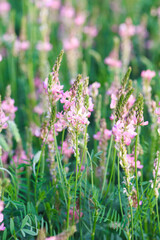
14 130
23 233
30 232
5 234
3 143
12 226
36 160
24 221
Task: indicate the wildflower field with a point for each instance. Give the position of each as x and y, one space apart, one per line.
79 119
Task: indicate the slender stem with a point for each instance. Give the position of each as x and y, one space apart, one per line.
94 225
135 157
157 213
60 166
107 162
75 186
62 142
132 236
119 193
113 166
68 206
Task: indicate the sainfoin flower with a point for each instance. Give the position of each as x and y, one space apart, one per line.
3 120
148 74
44 46
113 62
9 108
2 227
70 43
21 46
20 157
4 7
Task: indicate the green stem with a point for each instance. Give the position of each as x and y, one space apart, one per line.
119 193
113 166
75 186
135 157
107 162
62 142
157 213
132 236
94 225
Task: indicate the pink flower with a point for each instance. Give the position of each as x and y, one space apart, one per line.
127 29
55 90
144 123
1 206
21 46
113 62
113 101
70 43
67 150
120 131
20 157
4 7
38 109
76 214
53 4
111 117
1 58
3 120
91 31
67 12
2 227
148 74
9 108
80 19
131 161
43 46
93 89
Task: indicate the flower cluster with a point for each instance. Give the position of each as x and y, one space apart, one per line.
3 118
2 227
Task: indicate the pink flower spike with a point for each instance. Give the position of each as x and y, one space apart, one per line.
148 74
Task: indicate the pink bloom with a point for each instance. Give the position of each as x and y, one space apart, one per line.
148 74
126 132
131 161
20 157
38 109
21 46
43 46
113 62
111 117
144 123
2 227
1 206
3 120
91 31
93 89
76 214
113 101
71 43
4 7
67 12
9 108
80 19
127 29
67 150
1 58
